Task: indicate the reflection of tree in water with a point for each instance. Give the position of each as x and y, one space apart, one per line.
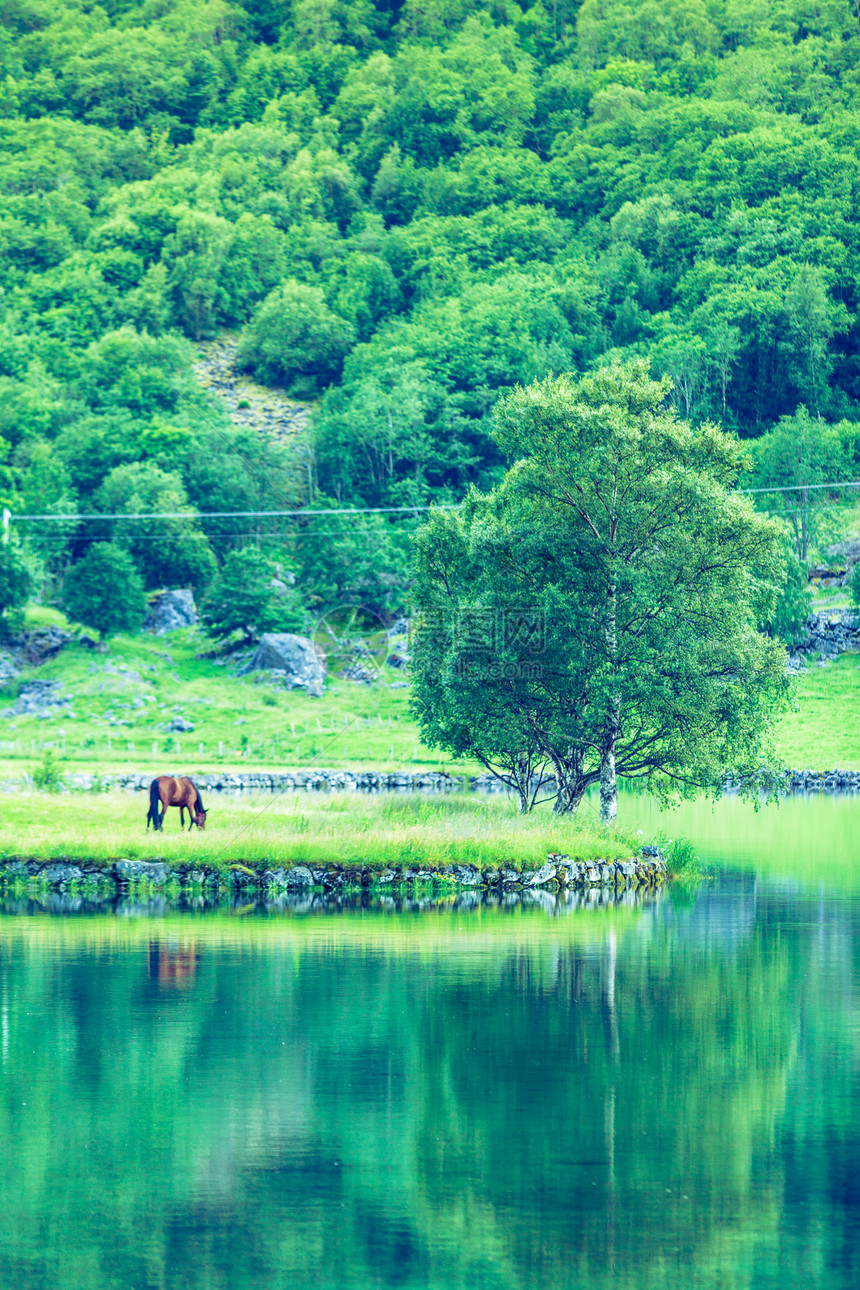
643 1090
609 1113
172 963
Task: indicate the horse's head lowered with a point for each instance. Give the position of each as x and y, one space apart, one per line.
200 819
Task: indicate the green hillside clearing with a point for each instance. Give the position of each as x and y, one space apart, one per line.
248 723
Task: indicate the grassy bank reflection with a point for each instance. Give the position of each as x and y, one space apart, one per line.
474 1098
812 838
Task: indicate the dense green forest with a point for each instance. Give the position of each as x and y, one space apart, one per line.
402 210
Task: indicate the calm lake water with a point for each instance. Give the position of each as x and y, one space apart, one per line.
665 1095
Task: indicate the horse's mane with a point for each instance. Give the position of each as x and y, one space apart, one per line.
200 805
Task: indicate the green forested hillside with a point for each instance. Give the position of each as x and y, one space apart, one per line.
401 210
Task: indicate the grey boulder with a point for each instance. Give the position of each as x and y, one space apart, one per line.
141 871
294 658
58 875
171 610
545 874
300 876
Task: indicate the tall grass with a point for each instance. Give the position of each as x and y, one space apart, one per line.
305 828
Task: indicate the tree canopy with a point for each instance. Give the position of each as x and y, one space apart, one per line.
400 211
597 614
247 597
16 579
104 591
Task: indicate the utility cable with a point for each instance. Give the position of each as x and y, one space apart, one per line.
305 512
800 488
308 512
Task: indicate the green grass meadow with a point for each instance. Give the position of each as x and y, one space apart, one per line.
824 732
313 828
124 699
243 723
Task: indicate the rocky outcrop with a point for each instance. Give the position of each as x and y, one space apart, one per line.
44 642
256 407
294 660
170 610
9 668
39 699
829 635
33 647
845 554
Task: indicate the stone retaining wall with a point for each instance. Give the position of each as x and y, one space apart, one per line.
320 780
823 781
560 872
311 779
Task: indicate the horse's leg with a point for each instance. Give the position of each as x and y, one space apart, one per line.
186 801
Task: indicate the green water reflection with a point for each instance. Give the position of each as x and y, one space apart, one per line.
814 838
665 1096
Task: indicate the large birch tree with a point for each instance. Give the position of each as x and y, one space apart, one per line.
619 530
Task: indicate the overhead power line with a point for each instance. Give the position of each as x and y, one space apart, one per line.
306 512
802 488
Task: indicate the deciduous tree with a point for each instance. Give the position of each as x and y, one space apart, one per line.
104 591
620 525
16 579
246 597
799 455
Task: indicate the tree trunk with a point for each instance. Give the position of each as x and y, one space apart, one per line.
608 782
522 777
804 524
569 785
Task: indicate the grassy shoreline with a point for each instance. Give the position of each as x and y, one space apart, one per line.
347 829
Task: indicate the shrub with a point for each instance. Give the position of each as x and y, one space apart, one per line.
854 584
295 340
104 591
16 580
47 776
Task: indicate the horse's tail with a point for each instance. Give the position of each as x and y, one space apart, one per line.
154 802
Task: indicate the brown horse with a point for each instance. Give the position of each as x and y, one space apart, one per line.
175 792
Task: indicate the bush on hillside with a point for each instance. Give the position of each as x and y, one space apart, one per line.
170 551
16 579
793 603
104 591
247 597
854 585
295 340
